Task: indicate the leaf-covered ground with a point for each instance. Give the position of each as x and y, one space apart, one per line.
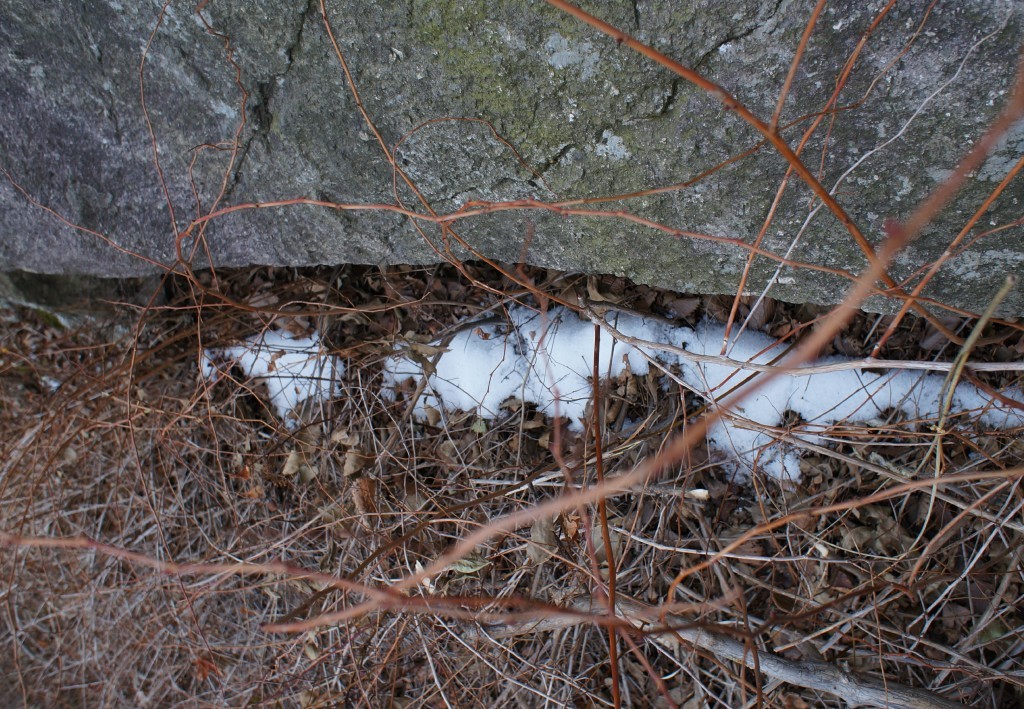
167 539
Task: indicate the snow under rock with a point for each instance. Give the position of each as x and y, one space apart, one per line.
548 360
294 369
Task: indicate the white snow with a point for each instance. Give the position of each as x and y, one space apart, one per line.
548 360
293 368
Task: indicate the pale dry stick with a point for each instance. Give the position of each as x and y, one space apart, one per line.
729 102
67 402
774 127
176 569
737 421
660 546
607 591
842 178
430 663
15 456
802 371
653 674
1001 520
1011 113
949 388
675 631
525 517
929 616
810 674
953 377
939 537
982 623
842 628
749 263
461 637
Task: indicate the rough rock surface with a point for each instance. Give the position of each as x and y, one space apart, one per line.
578 117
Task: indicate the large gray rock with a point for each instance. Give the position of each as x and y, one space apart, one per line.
589 118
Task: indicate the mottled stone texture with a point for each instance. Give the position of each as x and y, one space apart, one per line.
578 117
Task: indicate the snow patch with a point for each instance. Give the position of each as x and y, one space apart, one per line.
294 369
545 361
548 360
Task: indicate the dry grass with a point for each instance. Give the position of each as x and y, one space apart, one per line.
162 486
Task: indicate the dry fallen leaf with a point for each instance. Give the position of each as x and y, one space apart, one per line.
543 540
344 437
433 415
263 299
470 564
254 493
759 317
935 340
297 465
447 452
425 350
291 466
364 497
355 461
594 294
571 526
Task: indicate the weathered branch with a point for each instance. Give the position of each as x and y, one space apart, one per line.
856 690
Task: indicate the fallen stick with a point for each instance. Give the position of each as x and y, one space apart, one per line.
855 690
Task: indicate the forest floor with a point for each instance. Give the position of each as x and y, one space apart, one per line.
169 540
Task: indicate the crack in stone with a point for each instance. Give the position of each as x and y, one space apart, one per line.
669 102
555 159
547 165
729 38
262 115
